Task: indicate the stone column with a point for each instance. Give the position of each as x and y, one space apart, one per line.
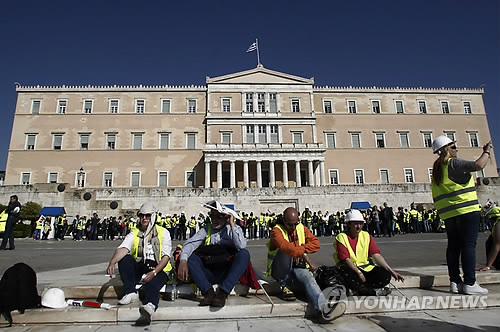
316 173
245 174
233 174
298 182
285 173
322 172
310 172
207 174
259 174
219 174
272 177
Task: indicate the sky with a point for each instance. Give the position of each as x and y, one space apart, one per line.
422 43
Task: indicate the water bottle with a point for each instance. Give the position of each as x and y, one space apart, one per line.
173 295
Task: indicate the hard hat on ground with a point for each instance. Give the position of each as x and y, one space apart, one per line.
354 215
54 298
440 142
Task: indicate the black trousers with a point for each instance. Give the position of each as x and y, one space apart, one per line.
8 235
378 277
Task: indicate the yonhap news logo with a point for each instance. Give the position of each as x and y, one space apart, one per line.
335 302
420 302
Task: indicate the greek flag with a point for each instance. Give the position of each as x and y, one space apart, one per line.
252 47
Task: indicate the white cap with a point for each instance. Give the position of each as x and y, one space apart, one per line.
354 215
440 142
214 205
54 298
147 208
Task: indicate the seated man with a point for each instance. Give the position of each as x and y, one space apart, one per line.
355 250
143 257
220 238
289 263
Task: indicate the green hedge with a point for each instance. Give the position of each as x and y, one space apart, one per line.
22 230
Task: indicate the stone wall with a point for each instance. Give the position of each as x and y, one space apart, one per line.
331 198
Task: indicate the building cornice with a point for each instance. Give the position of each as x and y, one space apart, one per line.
375 89
110 88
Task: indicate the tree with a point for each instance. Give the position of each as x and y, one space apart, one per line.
30 211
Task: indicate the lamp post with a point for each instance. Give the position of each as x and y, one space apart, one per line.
80 177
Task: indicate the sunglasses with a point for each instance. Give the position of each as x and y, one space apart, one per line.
453 147
291 224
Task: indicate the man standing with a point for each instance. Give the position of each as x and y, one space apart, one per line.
13 210
144 256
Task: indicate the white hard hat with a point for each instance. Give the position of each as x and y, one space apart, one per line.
147 208
440 142
354 215
307 207
54 298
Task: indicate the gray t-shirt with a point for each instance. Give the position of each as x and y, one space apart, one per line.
459 170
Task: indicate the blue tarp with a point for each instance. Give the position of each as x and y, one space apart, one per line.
53 211
361 205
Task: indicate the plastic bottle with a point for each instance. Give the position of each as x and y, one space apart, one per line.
174 289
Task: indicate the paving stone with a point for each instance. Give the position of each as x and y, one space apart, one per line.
203 326
347 323
272 325
485 319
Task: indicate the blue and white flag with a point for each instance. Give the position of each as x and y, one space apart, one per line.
252 47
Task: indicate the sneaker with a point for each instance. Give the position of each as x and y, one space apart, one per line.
330 314
208 298
219 299
382 291
456 288
474 289
129 298
286 294
146 312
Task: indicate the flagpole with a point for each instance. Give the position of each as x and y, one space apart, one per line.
258 54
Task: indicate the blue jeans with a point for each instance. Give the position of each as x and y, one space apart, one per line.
462 237
298 279
131 274
225 275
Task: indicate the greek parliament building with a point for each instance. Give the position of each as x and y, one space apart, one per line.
267 134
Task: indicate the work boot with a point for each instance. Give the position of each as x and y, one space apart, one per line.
220 298
286 294
146 312
208 298
382 291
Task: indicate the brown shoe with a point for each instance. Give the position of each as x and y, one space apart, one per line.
220 298
208 297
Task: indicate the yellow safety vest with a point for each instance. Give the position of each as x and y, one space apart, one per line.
3 220
192 223
360 258
39 224
452 199
135 246
271 254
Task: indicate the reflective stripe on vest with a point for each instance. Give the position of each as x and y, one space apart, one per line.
452 199
272 253
209 233
360 259
135 246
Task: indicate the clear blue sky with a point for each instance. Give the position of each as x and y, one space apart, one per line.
360 43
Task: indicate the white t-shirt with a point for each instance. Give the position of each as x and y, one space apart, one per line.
166 246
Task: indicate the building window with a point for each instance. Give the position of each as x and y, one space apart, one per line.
135 179
295 105
274 134
87 106
376 106
351 106
399 106
61 106
330 140
333 174
80 178
250 134
474 142
225 138
110 141
164 141
359 176
226 105
409 175
380 140
137 141
140 106
163 179
108 179
53 177
273 107
165 106
467 108
190 179
35 106
192 106
30 142
249 102
297 138
190 141
445 107
404 140
114 105
384 176
57 142
427 139
355 140
262 134
422 107
429 172
25 178
84 141
450 135
327 106
261 106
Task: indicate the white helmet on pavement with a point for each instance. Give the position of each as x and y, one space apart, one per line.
440 142
54 298
354 215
